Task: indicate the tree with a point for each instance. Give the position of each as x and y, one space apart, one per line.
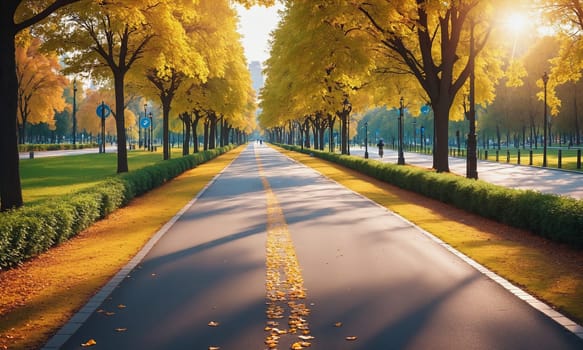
209 27
312 83
15 16
40 86
430 41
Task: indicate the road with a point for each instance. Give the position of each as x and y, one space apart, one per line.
554 181
272 247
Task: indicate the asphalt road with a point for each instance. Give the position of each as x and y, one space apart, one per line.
545 180
272 247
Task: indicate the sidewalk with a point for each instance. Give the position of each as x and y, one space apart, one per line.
553 181
59 153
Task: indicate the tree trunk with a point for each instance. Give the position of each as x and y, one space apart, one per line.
205 141
307 133
440 152
186 122
10 187
122 152
166 100
213 131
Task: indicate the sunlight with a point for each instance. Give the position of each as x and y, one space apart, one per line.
516 22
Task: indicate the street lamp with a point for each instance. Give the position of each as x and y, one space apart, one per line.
365 140
545 81
401 159
74 111
472 145
140 130
151 133
347 107
414 135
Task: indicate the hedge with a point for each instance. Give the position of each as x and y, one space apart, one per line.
555 217
29 231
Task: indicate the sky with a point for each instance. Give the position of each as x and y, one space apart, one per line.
255 25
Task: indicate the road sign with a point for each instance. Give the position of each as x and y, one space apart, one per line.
145 122
425 109
103 111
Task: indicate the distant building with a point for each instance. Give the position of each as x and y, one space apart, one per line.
256 75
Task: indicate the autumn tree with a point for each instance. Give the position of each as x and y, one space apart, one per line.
430 41
310 83
15 16
209 27
40 86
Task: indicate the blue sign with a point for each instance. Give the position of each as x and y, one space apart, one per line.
103 111
145 122
425 109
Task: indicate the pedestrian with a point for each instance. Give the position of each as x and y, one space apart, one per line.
381 145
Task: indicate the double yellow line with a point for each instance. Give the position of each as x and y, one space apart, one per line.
285 292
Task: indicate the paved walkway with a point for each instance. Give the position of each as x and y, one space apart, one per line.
561 182
273 255
59 153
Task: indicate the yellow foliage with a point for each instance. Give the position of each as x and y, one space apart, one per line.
40 84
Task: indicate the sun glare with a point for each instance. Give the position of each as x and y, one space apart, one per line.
516 22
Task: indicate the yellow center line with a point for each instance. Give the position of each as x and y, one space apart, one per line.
285 292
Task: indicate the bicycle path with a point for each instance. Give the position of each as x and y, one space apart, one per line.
272 251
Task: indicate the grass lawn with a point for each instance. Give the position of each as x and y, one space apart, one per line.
568 157
44 178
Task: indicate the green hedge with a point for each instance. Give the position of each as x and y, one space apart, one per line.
551 216
29 231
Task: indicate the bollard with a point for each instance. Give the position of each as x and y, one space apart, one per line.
518 157
530 157
31 155
560 159
578 159
486 154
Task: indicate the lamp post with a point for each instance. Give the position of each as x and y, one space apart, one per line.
414 135
142 140
74 111
151 133
401 159
545 81
365 140
347 108
422 132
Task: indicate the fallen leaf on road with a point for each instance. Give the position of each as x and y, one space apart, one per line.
121 329
305 337
338 324
213 324
214 348
121 306
89 343
109 313
351 338
300 345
